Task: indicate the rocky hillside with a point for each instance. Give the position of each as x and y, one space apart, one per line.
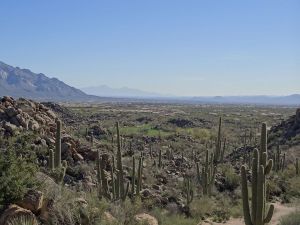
18 82
287 132
22 114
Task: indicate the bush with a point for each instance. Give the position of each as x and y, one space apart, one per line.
231 178
167 218
291 219
17 175
202 207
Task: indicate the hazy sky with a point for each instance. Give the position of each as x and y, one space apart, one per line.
182 47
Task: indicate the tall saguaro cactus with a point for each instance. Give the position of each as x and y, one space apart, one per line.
58 145
188 191
119 162
207 176
140 176
260 168
159 159
278 160
218 153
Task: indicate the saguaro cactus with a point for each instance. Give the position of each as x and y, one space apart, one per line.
188 191
217 155
140 176
133 177
51 160
260 168
159 159
119 162
103 189
278 160
223 151
207 176
58 144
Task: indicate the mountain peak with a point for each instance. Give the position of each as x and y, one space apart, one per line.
18 82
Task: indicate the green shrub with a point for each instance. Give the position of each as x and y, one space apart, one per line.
291 219
231 178
17 175
202 207
167 218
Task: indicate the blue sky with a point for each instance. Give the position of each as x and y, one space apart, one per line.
182 47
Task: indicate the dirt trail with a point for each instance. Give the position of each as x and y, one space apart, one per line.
280 210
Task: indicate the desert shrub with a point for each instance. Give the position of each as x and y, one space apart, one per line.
223 206
17 175
274 187
167 218
231 178
69 207
125 211
291 219
289 172
200 133
236 210
202 207
294 187
94 210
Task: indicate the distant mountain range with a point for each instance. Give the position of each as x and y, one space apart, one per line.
106 91
125 92
18 82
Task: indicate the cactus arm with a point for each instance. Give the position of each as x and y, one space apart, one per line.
269 214
269 167
246 208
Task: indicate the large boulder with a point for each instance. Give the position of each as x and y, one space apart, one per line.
10 128
14 212
146 219
32 201
11 112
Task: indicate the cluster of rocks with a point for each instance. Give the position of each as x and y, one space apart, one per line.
17 115
23 114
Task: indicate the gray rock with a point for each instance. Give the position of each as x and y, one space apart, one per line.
11 112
